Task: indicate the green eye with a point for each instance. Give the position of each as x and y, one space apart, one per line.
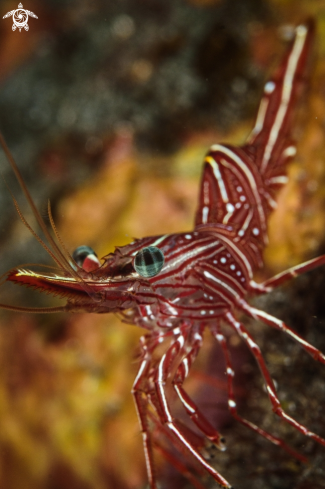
149 261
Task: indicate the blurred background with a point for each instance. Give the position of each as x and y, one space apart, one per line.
109 109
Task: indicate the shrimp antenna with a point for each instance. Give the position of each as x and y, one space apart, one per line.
34 310
60 257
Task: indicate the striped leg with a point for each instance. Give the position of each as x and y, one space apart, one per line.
163 371
188 469
180 467
196 440
216 331
281 326
276 406
292 272
191 408
139 392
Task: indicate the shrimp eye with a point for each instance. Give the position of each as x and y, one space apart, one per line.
149 261
80 254
86 258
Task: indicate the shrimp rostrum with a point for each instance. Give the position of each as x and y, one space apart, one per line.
177 285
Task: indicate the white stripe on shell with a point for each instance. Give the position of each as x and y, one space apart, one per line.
301 33
239 254
217 174
191 254
281 179
205 214
187 246
186 405
155 243
162 392
186 367
220 282
247 221
140 372
272 203
260 117
250 177
159 240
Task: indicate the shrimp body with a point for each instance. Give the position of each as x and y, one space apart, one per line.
177 285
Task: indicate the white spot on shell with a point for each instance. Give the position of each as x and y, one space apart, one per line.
230 207
223 259
256 231
290 151
269 87
232 267
242 198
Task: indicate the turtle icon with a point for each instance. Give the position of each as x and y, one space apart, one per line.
20 18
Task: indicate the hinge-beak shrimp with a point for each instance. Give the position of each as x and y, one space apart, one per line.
177 285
